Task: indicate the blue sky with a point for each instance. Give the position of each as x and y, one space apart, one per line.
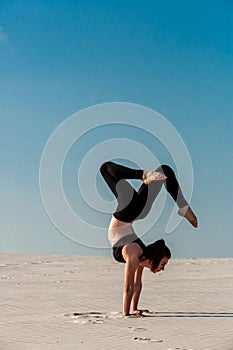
58 57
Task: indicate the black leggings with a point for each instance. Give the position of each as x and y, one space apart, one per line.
134 205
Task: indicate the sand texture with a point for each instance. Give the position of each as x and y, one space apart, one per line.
58 302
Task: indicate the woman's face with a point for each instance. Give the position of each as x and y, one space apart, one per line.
162 264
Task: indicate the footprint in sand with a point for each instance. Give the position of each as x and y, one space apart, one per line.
6 277
179 349
93 317
88 321
147 339
143 339
138 329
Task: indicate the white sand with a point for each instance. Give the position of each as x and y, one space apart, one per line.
191 304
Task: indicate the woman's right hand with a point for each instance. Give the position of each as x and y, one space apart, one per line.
140 312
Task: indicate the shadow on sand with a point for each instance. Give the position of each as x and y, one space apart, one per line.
99 315
188 314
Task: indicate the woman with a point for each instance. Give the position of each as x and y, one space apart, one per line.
134 205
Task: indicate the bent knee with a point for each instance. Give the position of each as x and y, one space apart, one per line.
104 167
166 170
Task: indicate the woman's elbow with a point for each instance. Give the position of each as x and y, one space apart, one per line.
128 288
138 285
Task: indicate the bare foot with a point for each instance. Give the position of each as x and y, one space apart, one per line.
149 176
187 213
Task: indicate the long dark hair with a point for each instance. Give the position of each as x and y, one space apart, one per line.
156 251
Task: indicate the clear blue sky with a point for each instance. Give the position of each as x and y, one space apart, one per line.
58 57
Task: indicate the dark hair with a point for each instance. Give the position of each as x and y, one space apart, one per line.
156 251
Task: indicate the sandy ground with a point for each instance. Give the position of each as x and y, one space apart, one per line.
57 302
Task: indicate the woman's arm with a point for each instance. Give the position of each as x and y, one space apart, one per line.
131 253
137 288
130 268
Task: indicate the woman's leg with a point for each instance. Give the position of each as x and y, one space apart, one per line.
133 205
130 203
171 184
173 188
113 173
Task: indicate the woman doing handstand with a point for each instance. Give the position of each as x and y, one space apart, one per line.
134 205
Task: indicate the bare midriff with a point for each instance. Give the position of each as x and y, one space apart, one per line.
118 229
